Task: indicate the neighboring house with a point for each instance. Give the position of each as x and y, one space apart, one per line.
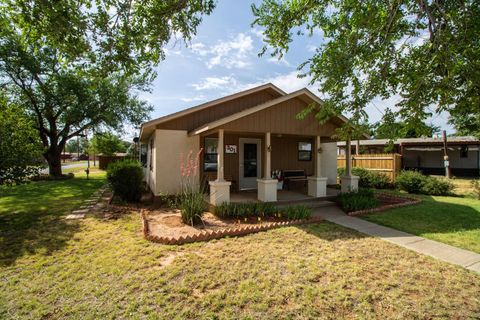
244 137
427 154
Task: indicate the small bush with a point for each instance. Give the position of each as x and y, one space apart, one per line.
415 182
245 210
264 209
437 187
368 179
410 181
126 179
296 212
192 207
357 200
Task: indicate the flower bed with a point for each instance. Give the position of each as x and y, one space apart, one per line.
388 201
165 226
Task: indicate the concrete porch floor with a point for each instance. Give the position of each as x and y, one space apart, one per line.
282 196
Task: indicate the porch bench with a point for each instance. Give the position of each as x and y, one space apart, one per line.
294 176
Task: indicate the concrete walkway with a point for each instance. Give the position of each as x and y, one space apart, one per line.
444 252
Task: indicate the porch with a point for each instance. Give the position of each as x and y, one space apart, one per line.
253 167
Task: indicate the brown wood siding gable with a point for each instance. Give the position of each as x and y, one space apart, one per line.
281 118
199 118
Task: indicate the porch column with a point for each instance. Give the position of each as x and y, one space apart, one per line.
267 187
349 182
317 185
220 189
268 157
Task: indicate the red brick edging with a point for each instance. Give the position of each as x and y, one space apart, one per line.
408 201
206 235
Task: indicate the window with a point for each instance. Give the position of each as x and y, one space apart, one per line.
304 151
210 155
464 152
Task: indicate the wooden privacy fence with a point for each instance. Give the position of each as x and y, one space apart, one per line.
386 163
103 161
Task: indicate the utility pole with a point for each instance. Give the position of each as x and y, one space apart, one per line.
445 155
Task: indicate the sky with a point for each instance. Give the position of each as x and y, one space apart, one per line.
223 59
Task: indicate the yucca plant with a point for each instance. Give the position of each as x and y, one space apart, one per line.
192 206
192 198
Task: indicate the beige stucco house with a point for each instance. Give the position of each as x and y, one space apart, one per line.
244 137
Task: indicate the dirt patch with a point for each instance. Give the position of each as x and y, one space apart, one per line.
168 223
161 226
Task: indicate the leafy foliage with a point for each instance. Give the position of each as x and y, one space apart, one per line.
426 52
107 143
297 212
79 65
357 200
415 182
19 146
368 179
263 210
390 128
410 181
192 206
126 179
437 187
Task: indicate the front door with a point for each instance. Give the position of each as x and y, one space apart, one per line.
250 163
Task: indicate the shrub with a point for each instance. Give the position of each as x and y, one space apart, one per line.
368 179
437 187
357 200
296 212
410 181
245 210
192 206
264 209
415 182
126 179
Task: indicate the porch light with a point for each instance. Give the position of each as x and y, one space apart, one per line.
319 150
269 148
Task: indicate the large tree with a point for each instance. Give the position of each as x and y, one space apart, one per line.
78 65
425 51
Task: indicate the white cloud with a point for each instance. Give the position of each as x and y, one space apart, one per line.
210 83
193 99
199 48
170 52
258 33
311 48
234 53
279 61
288 82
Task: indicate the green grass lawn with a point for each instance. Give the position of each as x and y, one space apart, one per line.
95 269
31 215
451 220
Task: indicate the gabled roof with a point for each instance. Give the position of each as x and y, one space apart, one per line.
209 104
303 94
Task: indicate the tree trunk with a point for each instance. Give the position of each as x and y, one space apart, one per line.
53 157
